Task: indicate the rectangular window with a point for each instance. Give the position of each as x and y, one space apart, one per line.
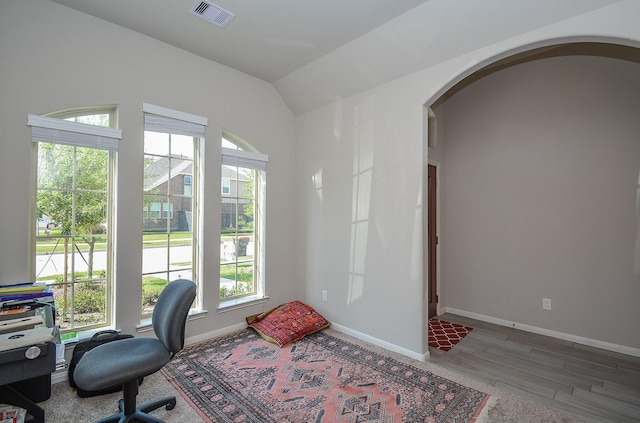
242 225
188 188
74 163
172 143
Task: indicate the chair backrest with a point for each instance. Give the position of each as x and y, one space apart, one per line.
170 313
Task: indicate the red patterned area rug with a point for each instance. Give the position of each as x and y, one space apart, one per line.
240 377
444 335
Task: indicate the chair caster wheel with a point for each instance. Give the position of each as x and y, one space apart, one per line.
170 406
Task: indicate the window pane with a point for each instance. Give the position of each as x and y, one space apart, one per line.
156 173
156 143
152 286
168 240
92 169
101 119
55 166
182 146
181 254
91 212
155 219
72 211
238 255
155 253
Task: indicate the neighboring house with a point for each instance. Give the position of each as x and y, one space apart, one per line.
168 189
234 188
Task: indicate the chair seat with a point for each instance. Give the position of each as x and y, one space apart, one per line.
114 362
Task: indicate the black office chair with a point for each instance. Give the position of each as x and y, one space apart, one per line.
123 362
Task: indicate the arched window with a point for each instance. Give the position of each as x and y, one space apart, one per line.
72 235
243 197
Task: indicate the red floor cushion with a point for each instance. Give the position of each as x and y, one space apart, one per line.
287 322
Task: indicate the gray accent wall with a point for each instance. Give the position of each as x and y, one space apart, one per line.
540 197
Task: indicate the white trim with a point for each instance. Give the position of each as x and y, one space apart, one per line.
174 114
214 334
622 349
437 165
380 343
146 325
80 128
242 302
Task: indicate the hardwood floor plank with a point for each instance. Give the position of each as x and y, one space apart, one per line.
566 380
606 402
604 373
597 385
514 377
594 410
616 390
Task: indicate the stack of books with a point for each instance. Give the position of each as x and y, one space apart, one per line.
23 291
23 299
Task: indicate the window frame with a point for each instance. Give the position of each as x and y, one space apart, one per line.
175 123
63 131
242 155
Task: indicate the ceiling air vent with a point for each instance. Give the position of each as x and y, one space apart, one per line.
212 13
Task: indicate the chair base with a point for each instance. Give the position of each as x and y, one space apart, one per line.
130 413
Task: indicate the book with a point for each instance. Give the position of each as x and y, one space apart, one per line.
25 296
22 288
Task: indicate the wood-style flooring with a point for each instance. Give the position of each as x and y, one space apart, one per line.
590 383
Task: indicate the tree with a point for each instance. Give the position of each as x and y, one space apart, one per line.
72 192
245 218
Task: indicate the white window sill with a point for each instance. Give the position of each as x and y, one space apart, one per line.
145 325
241 303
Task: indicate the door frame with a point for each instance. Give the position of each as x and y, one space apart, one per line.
437 287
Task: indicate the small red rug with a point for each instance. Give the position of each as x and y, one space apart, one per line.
444 335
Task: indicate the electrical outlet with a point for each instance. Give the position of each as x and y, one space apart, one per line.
546 303
324 295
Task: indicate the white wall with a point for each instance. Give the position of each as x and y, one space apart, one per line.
53 58
386 124
360 214
540 195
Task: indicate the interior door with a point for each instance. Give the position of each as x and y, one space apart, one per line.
432 242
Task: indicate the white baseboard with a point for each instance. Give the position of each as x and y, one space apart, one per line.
622 349
214 333
59 376
339 328
380 343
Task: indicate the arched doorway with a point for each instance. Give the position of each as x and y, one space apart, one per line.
600 49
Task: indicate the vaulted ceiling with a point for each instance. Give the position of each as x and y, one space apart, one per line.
266 39
315 51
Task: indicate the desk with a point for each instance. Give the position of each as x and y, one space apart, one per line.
24 381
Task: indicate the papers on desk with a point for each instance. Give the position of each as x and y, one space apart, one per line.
22 323
12 414
12 340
